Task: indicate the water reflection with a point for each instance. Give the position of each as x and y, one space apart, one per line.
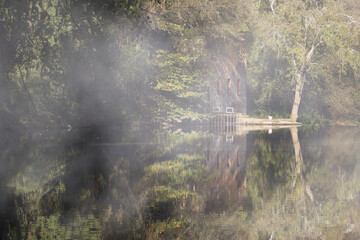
227 157
299 168
290 184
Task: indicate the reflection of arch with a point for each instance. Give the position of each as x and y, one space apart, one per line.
229 160
238 158
219 160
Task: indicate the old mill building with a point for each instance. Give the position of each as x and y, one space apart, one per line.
227 91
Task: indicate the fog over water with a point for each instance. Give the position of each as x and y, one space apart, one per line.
106 113
72 185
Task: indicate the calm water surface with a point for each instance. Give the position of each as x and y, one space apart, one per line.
98 184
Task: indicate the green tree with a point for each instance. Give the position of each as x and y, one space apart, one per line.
301 33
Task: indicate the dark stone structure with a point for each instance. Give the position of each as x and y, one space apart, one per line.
228 83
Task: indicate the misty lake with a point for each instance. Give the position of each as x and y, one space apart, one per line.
102 184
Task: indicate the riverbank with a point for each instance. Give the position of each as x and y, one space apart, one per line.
240 119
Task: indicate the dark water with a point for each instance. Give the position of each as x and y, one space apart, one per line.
101 184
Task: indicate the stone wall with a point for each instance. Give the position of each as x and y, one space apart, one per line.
228 80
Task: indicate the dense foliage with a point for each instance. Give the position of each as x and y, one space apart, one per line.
82 62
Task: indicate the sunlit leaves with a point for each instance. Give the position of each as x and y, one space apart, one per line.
287 34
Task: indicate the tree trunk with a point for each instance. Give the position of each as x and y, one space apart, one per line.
298 92
300 80
296 145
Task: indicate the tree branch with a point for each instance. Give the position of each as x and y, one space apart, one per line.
272 3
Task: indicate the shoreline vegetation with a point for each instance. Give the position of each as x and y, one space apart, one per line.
189 124
111 63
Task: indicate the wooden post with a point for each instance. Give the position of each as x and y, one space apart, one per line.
233 122
228 124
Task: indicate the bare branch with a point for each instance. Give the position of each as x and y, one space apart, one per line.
272 3
351 19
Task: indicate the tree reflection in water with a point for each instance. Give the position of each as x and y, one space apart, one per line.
182 186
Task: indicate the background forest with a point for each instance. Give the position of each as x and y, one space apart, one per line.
84 62
97 65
